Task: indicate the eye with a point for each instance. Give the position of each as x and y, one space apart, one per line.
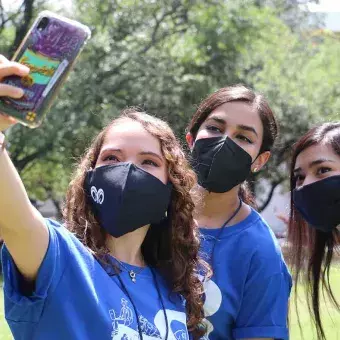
298 179
213 128
150 162
244 139
322 170
110 158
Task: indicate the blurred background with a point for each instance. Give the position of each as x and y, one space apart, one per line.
165 56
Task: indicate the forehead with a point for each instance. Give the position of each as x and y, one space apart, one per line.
239 113
314 153
131 134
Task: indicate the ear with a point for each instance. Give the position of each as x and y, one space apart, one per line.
190 140
260 162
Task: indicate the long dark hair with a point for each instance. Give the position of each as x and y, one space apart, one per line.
239 93
311 250
172 249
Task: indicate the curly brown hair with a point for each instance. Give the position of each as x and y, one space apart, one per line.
172 250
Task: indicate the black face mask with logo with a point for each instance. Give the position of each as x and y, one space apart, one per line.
319 203
124 197
220 163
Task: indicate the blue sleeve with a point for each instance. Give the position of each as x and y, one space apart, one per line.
22 308
264 307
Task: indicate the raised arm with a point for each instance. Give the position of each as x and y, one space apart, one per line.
21 226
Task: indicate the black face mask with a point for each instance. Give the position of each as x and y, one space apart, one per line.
125 198
220 164
319 203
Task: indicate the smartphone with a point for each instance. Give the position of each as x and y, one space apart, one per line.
49 49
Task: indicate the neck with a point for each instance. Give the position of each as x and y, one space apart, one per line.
127 248
220 204
218 208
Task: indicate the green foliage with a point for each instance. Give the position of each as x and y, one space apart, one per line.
165 56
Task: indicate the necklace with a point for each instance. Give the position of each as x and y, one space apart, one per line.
140 331
133 274
222 229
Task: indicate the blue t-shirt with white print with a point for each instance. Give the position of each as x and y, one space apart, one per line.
247 296
76 299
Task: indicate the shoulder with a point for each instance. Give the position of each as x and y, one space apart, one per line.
59 234
266 254
65 241
61 231
262 237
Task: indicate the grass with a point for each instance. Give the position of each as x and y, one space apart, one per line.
330 316
5 333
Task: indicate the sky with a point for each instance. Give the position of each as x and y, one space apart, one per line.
326 6
331 9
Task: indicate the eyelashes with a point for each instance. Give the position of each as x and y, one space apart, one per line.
115 159
215 129
110 158
245 139
150 162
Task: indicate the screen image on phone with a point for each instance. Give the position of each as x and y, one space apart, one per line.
49 49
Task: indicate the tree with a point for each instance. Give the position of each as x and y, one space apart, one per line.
166 56
132 60
289 74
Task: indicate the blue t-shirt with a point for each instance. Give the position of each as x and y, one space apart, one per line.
247 296
76 299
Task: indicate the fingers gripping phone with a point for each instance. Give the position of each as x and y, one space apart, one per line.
49 49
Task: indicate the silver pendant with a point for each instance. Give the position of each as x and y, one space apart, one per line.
132 275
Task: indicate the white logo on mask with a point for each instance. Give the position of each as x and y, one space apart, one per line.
97 195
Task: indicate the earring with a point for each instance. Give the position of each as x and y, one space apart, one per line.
255 170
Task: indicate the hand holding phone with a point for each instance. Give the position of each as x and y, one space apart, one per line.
49 50
9 68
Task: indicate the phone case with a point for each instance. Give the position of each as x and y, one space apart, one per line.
50 54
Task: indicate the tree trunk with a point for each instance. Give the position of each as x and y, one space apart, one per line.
24 25
269 197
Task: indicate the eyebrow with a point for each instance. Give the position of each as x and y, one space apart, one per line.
111 149
217 120
320 161
248 128
316 162
150 153
143 153
240 126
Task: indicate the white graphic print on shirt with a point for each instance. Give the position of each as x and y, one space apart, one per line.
212 303
122 321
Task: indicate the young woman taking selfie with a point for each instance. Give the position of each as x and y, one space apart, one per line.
230 136
313 232
124 264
